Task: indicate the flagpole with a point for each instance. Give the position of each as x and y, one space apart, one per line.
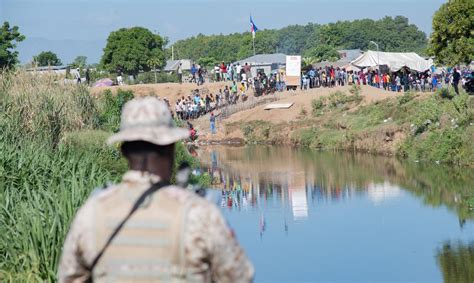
253 42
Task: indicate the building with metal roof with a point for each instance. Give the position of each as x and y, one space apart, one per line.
172 65
266 63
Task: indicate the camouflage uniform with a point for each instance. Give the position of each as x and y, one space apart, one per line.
174 236
198 248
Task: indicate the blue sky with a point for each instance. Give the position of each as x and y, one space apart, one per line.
81 27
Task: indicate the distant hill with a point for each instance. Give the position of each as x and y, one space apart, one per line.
392 34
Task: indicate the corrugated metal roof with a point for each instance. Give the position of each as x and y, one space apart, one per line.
48 68
347 55
172 65
278 58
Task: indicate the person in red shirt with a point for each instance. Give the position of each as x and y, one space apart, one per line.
223 71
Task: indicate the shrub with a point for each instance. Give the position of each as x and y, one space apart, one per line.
266 131
339 99
355 89
445 145
111 108
445 93
161 77
247 130
317 105
405 98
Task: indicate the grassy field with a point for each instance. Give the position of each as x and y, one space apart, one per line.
52 155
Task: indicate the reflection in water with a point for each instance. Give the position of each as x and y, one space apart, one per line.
309 211
457 262
253 174
381 192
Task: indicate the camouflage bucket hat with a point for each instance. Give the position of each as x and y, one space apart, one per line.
148 119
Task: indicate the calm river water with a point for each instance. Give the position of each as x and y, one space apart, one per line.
310 216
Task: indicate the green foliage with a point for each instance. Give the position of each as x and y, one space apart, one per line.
405 98
247 130
79 62
9 38
257 131
322 53
443 145
47 58
304 137
355 89
207 61
456 262
151 77
131 50
427 115
392 34
112 107
43 189
452 40
317 105
52 155
339 99
445 93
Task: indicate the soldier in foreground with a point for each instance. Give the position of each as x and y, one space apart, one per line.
144 229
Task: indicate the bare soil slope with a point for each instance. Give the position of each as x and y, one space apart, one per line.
302 99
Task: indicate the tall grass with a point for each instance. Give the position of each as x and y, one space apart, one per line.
52 155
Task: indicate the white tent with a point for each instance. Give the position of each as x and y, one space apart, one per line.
394 61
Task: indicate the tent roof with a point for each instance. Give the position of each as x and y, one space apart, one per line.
395 61
278 58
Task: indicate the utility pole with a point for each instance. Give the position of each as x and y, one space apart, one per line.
378 56
172 52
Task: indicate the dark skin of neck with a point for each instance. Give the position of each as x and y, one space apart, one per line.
158 162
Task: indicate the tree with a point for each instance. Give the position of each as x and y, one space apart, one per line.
307 61
323 53
79 62
154 62
47 58
9 37
129 50
207 61
452 40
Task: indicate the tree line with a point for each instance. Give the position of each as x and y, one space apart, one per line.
131 50
394 34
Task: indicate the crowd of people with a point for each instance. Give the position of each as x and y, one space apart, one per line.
197 103
395 81
241 74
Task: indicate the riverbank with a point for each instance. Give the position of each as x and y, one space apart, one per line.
431 127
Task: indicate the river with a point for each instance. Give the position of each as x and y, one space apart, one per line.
312 216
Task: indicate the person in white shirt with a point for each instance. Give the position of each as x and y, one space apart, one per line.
238 69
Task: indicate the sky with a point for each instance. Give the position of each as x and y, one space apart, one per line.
80 27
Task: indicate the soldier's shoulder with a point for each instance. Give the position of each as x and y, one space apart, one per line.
184 195
104 191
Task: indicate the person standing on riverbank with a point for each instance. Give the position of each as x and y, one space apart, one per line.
180 73
212 121
456 79
144 228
